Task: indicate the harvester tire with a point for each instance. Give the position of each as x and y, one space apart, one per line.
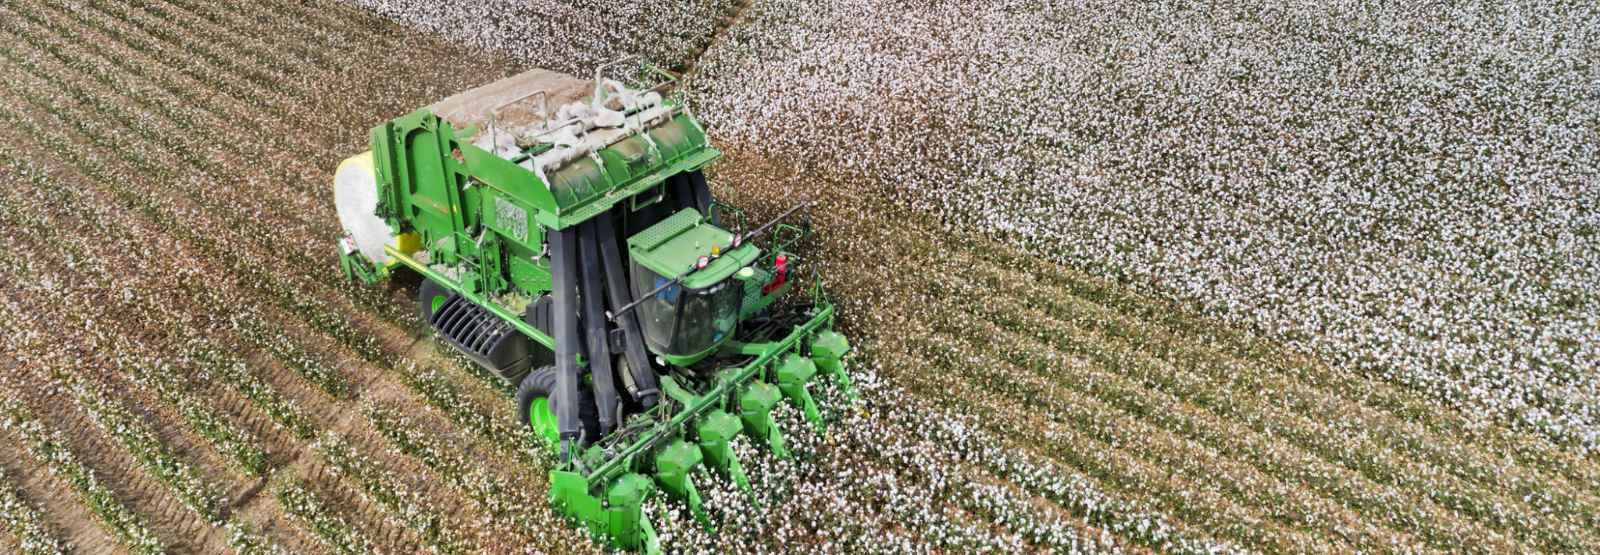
538 384
430 296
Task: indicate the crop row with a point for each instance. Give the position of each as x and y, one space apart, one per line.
1248 427
402 504
283 411
237 443
503 501
1369 474
50 449
146 446
138 437
234 367
239 535
904 430
444 395
132 152
234 441
373 354
369 351
298 500
1189 353
254 230
33 535
1401 441
317 314
183 126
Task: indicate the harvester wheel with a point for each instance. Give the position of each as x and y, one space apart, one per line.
430 297
536 408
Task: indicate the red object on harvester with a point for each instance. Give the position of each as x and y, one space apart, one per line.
778 277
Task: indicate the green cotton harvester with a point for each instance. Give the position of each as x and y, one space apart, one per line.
579 256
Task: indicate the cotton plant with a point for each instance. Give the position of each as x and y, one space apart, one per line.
48 446
1374 195
573 38
24 520
299 499
890 464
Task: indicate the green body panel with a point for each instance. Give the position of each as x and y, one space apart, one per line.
674 463
483 222
505 314
793 374
617 517
828 349
716 431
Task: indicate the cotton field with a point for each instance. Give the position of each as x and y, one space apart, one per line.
1407 191
1121 278
572 37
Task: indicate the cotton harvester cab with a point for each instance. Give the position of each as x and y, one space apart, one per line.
579 256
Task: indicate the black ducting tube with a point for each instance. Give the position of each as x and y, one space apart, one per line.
594 321
647 216
702 194
644 388
682 192
564 278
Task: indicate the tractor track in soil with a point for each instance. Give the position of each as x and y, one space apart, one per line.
236 135
724 24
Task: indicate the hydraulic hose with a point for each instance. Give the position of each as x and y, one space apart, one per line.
643 387
564 276
594 320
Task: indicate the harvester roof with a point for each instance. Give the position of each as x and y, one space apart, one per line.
672 248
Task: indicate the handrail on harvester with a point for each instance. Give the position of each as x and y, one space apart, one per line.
547 128
494 115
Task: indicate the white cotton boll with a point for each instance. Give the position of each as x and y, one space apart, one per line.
574 111
649 99
607 118
566 137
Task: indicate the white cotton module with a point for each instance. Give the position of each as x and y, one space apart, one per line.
355 196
